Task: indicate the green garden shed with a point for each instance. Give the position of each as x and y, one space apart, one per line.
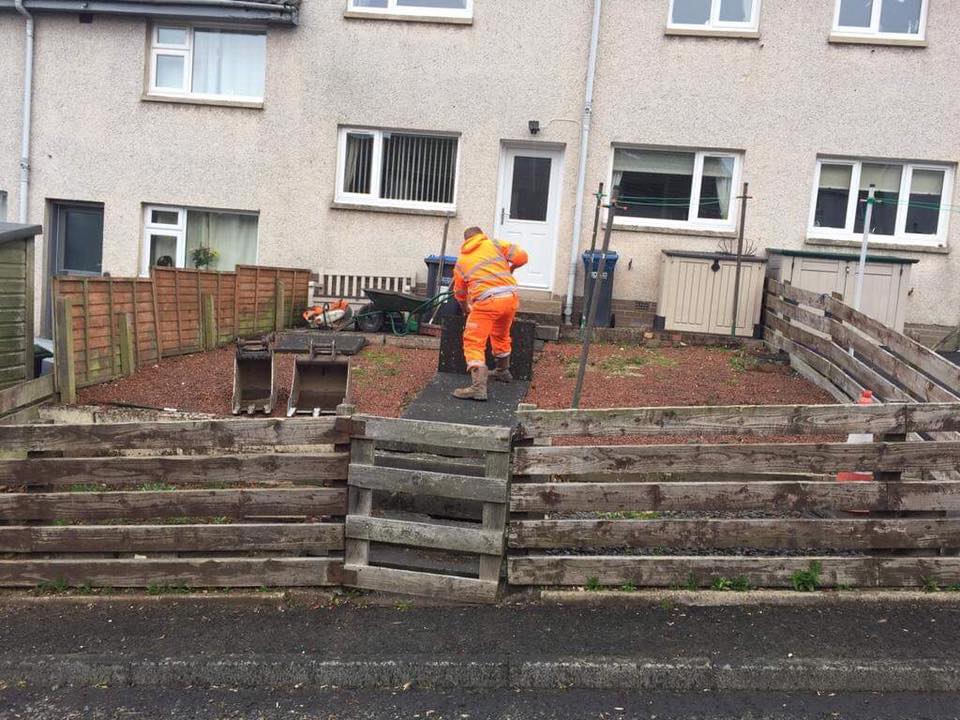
16 302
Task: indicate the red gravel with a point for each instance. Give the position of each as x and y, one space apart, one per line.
632 376
385 379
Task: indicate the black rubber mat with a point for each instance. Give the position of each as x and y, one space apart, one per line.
299 341
436 403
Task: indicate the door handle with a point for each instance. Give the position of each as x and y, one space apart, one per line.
503 213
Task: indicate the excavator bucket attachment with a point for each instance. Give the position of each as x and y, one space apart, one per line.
254 378
321 382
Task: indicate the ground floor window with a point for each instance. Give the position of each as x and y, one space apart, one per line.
198 238
77 246
397 169
912 200
676 188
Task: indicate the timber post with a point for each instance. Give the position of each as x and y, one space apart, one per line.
63 349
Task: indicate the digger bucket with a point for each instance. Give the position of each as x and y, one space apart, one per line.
320 384
254 379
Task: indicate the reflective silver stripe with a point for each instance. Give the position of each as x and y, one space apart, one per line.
479 266
497 292
513 251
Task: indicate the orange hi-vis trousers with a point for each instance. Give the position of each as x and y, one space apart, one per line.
489 319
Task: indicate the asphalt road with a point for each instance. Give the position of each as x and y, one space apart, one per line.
902 631
110 704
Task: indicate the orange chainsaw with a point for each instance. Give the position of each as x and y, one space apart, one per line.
335 315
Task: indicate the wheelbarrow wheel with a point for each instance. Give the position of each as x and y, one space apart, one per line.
369 320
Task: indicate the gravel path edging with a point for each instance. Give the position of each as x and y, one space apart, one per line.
614 673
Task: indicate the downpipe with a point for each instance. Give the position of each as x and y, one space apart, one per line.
582 168
27 113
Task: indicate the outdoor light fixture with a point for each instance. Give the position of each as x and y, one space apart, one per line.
534 126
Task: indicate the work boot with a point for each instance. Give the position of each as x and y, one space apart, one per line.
478 385
502 373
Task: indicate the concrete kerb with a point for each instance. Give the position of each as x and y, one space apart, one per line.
752 598
298 671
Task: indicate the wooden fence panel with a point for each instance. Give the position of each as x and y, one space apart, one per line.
186 435
165 312
739 420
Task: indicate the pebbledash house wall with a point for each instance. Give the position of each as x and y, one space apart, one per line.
782 99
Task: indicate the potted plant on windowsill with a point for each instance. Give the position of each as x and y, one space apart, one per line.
203 257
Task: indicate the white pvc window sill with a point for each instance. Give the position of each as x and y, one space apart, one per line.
689 230
875 242
409 17
196 100
395 209
742 34
894 41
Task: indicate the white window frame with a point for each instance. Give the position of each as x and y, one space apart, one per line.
373 197
873 32
692 222
900 236
180 232
421 13
186 51
715 24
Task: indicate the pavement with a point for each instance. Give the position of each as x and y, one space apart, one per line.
271 643
190 704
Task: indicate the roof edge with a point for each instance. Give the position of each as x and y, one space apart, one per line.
242 11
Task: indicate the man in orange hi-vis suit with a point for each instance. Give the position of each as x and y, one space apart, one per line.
484 285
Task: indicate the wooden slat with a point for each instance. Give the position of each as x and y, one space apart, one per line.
734 496
27 393
740 420
411 582
820 323
142 505
914 382
860 371
801 457
780 533
428 535
219 572
420 482
172 538
186 435
359 504
435 434
913 352
815 368
702 570
273 469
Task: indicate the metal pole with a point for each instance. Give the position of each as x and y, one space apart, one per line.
736 278
443 255
595 299
593 247
582 160
862 266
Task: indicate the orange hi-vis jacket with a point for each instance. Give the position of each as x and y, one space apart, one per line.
485 268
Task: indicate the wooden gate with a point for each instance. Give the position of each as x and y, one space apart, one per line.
427 508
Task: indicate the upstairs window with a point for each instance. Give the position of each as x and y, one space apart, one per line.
207 63
397 169
676 188
881 19
912 201
714 15
451 10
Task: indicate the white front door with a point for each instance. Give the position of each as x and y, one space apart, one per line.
528 205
